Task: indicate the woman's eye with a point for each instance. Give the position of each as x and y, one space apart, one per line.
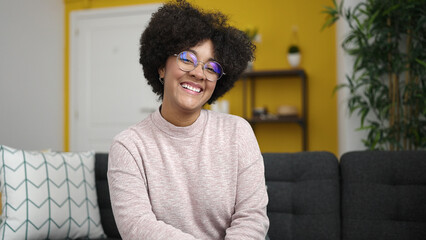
210 70
212 67
185 60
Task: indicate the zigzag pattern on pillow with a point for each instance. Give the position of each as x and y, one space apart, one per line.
48 195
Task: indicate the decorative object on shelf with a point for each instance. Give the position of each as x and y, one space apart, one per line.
220 106
287 111
260 112
293 56
253 34
387 85
293 52
249 66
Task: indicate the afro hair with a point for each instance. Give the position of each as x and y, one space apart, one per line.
178 26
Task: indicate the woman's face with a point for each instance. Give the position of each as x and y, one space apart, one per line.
188 91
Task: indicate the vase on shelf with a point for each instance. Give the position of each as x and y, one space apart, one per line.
294 56
249 66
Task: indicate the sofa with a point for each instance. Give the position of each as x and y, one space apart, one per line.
312 195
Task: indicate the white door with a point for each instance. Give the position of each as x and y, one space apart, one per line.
108 92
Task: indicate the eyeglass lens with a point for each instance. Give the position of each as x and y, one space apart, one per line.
187 61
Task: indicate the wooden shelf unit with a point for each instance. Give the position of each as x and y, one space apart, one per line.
281 74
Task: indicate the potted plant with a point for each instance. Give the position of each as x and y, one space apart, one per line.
388 83
293 55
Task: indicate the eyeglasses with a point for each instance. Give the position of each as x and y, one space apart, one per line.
187 61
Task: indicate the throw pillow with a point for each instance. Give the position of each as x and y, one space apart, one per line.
48 195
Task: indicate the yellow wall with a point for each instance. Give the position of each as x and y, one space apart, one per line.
275 20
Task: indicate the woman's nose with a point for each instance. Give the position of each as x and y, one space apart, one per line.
198 72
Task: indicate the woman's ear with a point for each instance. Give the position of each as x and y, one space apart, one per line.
162 72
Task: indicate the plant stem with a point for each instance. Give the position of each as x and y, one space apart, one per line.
391 86
417 110
408 107
397 104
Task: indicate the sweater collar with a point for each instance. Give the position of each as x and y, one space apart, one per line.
180 132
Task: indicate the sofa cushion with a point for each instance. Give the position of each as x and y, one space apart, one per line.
303 191
384 195
48 195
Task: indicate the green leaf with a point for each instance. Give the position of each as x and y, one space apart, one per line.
349 79
340 7
357 62
394 7
360 26
364 111
376 140
339 87
330 10
421 62
330 21
364 128
372 19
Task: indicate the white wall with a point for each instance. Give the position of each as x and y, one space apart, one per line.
31 73
349 139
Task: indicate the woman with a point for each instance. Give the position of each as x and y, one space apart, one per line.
184 172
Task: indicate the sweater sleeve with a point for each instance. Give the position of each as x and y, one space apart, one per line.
130 201
250 220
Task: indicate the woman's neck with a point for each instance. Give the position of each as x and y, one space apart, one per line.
179 118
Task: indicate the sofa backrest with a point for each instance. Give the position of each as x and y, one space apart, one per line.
107 218
304 195
384 195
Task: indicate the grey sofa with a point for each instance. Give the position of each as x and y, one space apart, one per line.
367 195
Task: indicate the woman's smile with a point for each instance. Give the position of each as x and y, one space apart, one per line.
192 88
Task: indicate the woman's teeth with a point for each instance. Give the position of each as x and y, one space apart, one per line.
195 89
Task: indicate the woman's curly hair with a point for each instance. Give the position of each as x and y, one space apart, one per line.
178 26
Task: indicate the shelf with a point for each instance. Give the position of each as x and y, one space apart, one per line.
289 119
281 74
274 73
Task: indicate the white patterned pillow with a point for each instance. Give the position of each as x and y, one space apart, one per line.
48 195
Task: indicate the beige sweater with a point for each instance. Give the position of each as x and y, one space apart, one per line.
204 181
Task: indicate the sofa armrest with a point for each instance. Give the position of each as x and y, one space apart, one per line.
104 201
